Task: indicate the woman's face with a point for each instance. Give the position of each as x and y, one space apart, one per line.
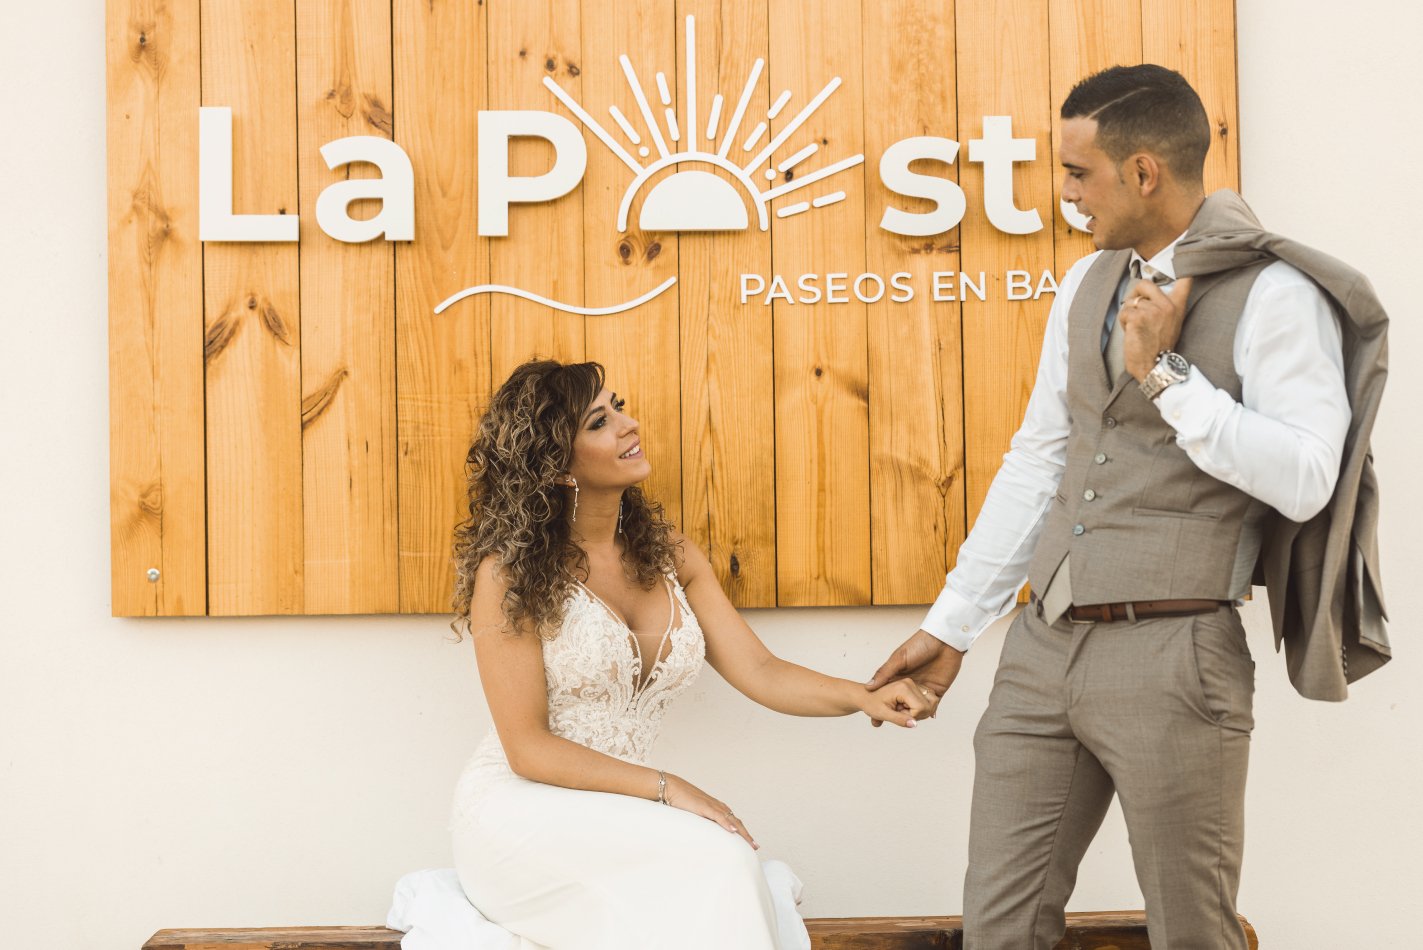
607 451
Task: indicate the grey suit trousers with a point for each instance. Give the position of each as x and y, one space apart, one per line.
1157 711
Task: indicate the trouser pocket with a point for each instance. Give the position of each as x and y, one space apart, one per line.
1224 671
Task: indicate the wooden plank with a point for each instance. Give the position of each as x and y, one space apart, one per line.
639 346
1001 337
885 933
727 374
442 361
1087 37
822 416
348 322
1123 930
1093 930
277 938
543 250
252 318
1197 39
156 468
915 355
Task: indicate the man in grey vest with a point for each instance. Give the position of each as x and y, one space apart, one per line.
1185 434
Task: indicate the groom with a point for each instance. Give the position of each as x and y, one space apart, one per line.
1195 420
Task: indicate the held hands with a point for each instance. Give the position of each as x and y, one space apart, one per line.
1151 322
686 796
932 664
901 701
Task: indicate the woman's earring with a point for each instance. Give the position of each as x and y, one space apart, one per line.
574 482
620 516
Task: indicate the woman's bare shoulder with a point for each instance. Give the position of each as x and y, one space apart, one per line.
691 563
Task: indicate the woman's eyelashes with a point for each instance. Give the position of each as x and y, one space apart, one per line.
617 403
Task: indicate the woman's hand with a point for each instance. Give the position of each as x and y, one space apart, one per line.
902 701
930 661
686 796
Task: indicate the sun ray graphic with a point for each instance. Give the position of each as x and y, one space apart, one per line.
692 198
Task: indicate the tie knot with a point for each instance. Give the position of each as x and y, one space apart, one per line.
1140 270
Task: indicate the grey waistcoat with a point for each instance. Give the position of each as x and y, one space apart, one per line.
1140 520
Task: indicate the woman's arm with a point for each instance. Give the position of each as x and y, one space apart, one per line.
734 651
512 672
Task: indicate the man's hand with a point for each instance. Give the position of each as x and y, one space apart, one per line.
927 660
1151 322
900 701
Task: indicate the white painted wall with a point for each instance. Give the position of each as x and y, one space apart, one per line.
251 772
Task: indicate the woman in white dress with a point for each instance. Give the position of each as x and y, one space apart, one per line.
589 615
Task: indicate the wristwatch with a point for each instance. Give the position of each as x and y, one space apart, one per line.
1170 368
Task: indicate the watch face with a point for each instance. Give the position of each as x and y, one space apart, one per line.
1177 364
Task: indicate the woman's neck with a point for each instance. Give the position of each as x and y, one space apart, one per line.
597 519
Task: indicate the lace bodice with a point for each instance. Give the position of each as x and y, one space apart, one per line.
597 696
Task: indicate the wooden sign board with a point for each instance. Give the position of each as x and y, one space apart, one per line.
290 419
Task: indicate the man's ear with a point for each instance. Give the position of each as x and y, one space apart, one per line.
1145 172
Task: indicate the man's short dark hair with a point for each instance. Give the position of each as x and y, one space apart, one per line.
1145 108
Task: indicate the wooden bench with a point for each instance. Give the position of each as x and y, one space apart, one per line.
1117 930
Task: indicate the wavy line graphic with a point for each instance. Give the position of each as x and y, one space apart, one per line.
554 304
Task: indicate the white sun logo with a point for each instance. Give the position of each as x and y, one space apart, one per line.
693 199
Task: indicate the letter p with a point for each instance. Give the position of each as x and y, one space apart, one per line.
498 189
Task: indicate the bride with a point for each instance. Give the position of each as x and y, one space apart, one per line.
589 615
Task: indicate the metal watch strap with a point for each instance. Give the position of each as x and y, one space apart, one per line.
1163 375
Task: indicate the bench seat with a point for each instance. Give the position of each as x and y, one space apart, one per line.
1115 930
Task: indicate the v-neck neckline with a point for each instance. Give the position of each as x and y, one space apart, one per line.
645 673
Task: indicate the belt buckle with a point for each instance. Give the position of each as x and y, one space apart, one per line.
1073 619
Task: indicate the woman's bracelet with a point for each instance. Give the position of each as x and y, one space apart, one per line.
662 787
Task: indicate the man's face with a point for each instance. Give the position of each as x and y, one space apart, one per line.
1103 190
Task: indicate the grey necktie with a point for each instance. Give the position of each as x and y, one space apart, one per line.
1058 596
1115 352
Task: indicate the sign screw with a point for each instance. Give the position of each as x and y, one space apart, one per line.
153 575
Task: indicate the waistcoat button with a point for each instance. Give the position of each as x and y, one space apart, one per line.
1110 422
1089 494
1078 529
1100 458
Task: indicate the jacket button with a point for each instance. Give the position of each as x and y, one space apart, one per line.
1100 458
1110 422
1089 494
1078 529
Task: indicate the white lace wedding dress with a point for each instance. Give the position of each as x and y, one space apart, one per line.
568 869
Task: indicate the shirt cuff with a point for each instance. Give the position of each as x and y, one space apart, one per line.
1187 406
955 621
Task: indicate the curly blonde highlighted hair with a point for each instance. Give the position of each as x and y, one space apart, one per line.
518 511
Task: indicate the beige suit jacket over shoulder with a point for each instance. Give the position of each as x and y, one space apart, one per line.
1322 576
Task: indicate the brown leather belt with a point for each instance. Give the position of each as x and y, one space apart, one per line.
1138 610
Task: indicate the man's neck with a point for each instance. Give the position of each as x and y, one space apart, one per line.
1173 222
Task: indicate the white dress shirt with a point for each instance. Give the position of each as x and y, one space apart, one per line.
1281 443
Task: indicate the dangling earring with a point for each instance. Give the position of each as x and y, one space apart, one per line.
620 516
574 482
